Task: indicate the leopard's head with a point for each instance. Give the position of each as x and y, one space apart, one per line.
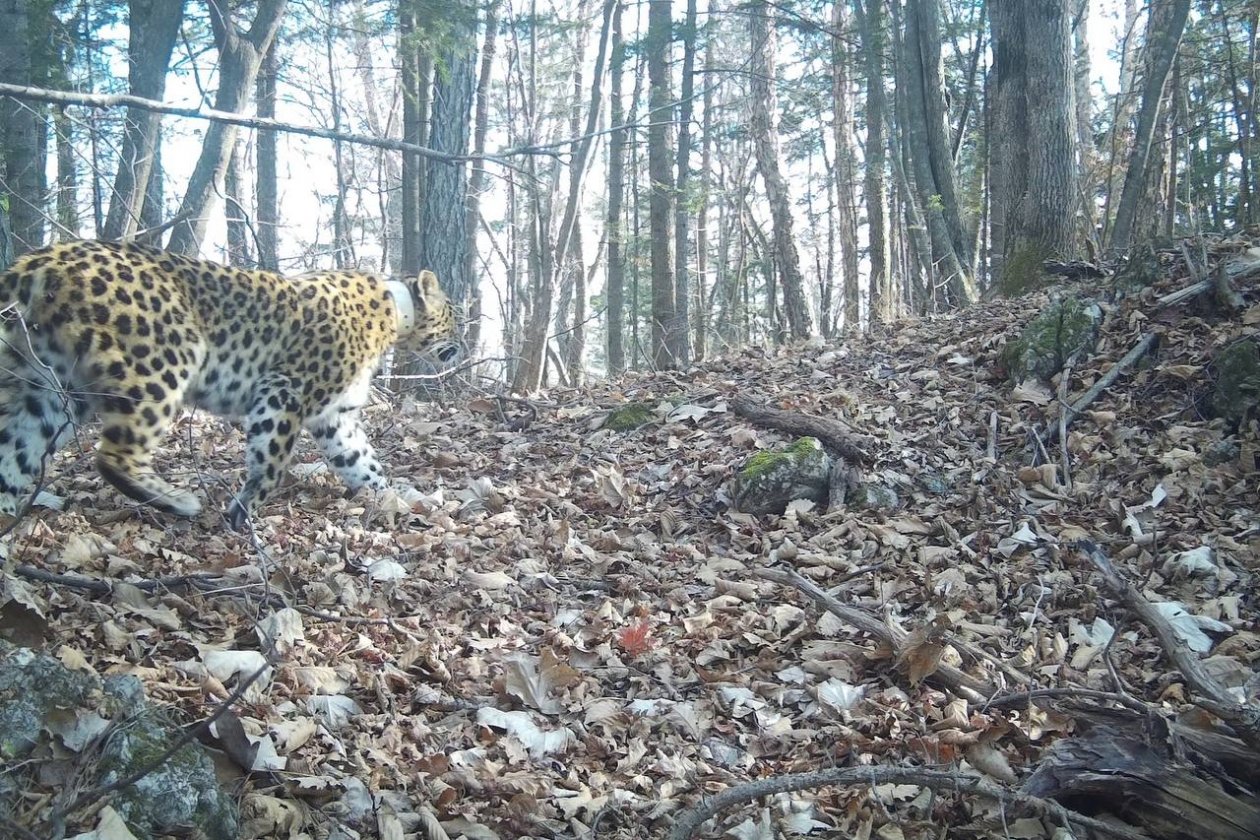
434 331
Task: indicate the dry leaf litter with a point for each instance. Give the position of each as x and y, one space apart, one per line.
558 632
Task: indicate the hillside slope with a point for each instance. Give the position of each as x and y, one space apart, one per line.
563 633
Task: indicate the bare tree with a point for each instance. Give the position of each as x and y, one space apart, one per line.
21 148
763 105
444 242
874 180
1167 22
151 40
240 55
1033 142
615 313
660 172
846 166
929 152
266 186
680 347
417 71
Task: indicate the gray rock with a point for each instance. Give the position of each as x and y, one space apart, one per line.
1067 327
769 480
41 701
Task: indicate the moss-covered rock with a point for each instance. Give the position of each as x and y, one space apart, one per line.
49 712
769 480
870 496
1237 390
1140 270
1067 327
629 417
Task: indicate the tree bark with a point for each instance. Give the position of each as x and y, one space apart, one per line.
152 33
477 177
681 335
342 250
921 102
67 178
615 313
238 234
240 55
875 178
846 168
20 128
417 70
1168 21
266 184
763 105
700 318
1033 157
443 236
660 172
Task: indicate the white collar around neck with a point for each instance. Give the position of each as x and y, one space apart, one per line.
404 305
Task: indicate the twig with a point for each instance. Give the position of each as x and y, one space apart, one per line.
1021 698
185 738
688 821
948 676
1214 697
991 449
1144 346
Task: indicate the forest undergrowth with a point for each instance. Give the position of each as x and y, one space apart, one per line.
565 631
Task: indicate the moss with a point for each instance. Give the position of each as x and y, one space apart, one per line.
629 417
1237 380
1067 327
764 461
1021 271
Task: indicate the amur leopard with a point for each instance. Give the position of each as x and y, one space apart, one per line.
133 333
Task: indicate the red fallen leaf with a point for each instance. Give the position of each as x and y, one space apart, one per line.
636 639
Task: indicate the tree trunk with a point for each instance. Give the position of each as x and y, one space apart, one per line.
240 55
680 347
417 70
266 185
238 236
701 316
875 179
67 177
763 105
20 128
846 168
921 103
342 249
1168 21
443 234
152 33
660 172
1034 161
388 168
533 350
477 176
615 313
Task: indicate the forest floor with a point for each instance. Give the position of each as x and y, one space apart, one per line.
564 634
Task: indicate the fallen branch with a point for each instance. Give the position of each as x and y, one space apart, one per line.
1144 346
1213 696
947 676
689 820
833 434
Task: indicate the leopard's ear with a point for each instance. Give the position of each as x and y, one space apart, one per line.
428 282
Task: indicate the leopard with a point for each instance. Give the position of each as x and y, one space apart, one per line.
135 334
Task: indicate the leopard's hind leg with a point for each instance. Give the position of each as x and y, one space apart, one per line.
136 417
